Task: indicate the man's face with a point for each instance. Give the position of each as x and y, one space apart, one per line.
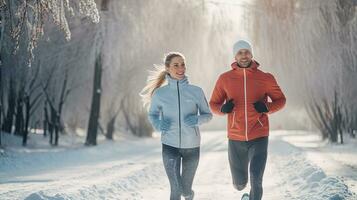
244 57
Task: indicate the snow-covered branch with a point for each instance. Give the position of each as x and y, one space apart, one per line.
27 18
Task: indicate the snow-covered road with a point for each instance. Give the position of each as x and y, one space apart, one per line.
132 169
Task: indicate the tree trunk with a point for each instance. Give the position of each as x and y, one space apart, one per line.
52 125
27 119
2 23
9 119
50 131
0 106
45 121
19 120
110 128
56 127
64 92
95 107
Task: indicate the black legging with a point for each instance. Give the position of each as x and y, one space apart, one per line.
173 158
240 154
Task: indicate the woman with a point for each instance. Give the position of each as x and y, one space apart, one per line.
176 110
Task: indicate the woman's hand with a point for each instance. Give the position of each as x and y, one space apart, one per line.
165 125
191 120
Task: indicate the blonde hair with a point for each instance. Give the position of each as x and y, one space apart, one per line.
156 77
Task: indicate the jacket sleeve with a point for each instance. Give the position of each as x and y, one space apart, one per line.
203 108
154 112
218 97
276 95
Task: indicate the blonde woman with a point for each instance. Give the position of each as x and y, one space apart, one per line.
176 110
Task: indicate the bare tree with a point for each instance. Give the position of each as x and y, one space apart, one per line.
94 123
350 122
55 104
95 105
1 67
112 114
2 22
328 117
31 100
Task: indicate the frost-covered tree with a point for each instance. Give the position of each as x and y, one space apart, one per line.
27 18
312 47
25 25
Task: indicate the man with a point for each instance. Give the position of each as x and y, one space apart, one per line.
242 93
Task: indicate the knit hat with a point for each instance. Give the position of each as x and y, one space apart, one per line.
241 44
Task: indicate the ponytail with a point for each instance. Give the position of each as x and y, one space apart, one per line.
155 80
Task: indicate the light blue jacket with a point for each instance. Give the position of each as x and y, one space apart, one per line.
174 102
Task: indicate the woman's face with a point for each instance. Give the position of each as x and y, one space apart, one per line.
177 68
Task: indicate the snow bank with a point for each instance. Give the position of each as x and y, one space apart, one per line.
303 178
309 181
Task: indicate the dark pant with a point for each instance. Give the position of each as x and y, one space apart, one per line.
252 153
180 183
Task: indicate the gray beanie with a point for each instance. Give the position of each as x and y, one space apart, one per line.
241 44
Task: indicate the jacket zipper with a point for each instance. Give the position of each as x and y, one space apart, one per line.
245 105
179 105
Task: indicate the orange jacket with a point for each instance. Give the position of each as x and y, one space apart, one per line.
246 86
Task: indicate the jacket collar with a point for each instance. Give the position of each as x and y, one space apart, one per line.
253 66
173 82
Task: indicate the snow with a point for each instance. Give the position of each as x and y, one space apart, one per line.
334 159
131 168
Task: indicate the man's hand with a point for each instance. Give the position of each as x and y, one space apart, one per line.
260 107
228 106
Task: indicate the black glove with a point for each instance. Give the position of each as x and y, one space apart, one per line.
228 106
260 107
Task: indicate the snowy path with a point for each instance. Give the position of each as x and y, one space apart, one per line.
133 170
